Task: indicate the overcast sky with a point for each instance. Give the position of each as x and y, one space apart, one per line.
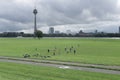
74 15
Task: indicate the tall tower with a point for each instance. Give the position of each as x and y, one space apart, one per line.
35 23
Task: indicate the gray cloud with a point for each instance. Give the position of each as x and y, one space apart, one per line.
67 11
16 15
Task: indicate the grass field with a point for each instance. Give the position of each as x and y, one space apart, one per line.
12 71
95 51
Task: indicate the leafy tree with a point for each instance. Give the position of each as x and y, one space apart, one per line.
39 34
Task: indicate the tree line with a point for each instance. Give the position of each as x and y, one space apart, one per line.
40 34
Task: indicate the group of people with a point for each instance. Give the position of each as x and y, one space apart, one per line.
70 50
67 50
55 51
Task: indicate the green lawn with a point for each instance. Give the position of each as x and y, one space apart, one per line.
12 71
96 51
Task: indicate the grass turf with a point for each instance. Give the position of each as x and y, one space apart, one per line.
95 51
13 71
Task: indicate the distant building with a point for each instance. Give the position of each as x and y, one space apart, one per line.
12 34
96 31
81 32
51 30
119 29
57 32
68 32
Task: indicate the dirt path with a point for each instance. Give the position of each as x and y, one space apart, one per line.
65 65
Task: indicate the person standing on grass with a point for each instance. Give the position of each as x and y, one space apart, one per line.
48 50
70 49
53 53
74 52
65 48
